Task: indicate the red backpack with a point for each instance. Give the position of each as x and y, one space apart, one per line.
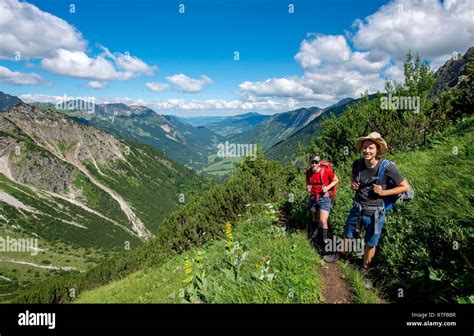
327 166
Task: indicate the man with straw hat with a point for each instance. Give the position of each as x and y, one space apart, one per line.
371 192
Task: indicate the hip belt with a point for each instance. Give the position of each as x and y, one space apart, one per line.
375 211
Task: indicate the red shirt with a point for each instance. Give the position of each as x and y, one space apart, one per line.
314 179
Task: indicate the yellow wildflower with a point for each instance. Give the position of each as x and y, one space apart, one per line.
188 266
228 231
229 235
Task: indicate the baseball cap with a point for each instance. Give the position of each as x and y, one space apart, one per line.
315 158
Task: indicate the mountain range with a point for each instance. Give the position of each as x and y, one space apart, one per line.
191 142
180 141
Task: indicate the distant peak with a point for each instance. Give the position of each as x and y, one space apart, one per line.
343 102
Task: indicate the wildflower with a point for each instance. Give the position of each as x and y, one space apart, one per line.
229 235
188 266
199 256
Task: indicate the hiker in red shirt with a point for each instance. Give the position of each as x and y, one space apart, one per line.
321 184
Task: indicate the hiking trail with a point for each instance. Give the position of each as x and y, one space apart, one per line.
335 287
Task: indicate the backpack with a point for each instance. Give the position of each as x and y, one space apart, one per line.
389 201
327 165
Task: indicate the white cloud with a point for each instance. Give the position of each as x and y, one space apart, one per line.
277 87
104 67
19 78
157 87
334 70
323 48
214 104
365 62
39 98
188 84
340 84
26 29
78 64
130 65
429 27
395 72
177 105
96 85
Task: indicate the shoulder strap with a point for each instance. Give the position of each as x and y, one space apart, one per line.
360 168
380 174
321 174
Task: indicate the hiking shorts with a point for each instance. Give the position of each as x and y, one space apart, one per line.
371 238
322 203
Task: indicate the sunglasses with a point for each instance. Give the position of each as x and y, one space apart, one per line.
314 162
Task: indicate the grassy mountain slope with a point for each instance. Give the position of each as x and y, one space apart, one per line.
278 127
81 192
238 124
277 267
274 265
284 150
201 120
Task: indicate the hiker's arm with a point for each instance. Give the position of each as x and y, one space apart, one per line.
334 182
400 188
354 184
308 184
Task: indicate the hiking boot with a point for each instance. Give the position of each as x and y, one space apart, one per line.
315 239
368 284
330 258
366 274
317 245
350 258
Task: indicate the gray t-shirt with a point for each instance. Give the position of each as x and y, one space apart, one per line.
365 195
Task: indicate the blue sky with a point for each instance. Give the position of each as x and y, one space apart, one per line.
189 56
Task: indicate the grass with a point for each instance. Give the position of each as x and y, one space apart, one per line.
220 166
278 268
356 281
146 180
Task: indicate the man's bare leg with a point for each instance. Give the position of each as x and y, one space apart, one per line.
323 219
368 255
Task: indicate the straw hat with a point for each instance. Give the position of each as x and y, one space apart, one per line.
375 137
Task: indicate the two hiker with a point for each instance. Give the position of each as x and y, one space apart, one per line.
377 184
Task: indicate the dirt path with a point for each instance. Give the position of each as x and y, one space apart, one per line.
335 287
63 268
